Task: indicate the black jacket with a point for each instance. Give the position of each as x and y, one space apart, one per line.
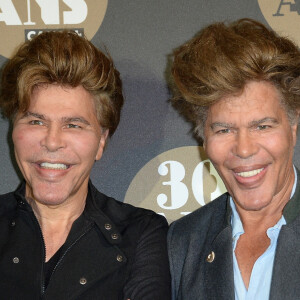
113 251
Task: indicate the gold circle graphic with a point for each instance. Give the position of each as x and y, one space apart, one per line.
283 16
21 20
176 183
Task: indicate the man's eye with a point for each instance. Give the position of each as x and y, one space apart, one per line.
73 126
263 127
36 122
223 131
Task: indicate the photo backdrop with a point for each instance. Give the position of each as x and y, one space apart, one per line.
152 160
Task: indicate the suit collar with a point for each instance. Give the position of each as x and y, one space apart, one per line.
220 269
292 208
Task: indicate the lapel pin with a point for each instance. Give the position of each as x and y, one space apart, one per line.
210 257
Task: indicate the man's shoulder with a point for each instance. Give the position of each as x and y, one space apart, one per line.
201 224
7 202
123 213
192 235
215 210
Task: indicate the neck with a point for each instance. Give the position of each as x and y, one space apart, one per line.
56 222
50 215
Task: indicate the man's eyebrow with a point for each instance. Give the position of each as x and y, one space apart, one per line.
220 124
264 120
75 119
251 124
64 119
32 114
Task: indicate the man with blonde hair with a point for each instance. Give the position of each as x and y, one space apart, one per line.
60 238
239 83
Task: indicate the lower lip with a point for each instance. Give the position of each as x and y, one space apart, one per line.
253 180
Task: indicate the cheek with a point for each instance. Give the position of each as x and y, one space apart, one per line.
280 146
86 147
217 150
22 141
17 136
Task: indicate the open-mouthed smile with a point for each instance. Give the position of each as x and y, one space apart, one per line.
250 173
53 166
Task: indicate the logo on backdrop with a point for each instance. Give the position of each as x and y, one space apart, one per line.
22 20
176 183
283 16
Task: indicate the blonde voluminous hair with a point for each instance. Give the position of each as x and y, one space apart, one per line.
223 58
66 59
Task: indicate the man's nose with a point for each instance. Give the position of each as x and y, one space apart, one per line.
245 144
53 138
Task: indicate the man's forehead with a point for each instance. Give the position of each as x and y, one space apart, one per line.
256 97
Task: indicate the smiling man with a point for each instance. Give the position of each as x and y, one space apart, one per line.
60 238
239 83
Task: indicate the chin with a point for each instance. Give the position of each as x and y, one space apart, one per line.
253 199
50 200
253 205
49 194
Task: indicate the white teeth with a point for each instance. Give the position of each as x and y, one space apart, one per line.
46 165
250 173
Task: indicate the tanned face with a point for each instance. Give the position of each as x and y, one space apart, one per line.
250 141
56 143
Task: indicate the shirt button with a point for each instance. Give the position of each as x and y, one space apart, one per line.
107 226
16 260
12 223
119 258
82 281
114 236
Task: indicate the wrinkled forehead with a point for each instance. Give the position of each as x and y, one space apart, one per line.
257 100
41 89
253 92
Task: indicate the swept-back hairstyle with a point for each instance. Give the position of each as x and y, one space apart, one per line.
223 58
66 59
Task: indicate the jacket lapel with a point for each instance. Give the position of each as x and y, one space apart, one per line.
219 267
286 271
208 269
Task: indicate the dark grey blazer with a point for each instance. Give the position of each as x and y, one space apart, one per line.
192 238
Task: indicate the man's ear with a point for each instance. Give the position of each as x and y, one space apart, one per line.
294 128
102 143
